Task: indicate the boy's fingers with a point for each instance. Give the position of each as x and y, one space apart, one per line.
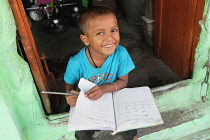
95 97
92 90
72 96
73 91
69 97
91 95
88 93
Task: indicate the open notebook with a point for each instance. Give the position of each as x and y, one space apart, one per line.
126 109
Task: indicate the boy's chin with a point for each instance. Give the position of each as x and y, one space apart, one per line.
109 52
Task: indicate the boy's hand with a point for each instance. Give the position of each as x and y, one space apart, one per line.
95 93
72 99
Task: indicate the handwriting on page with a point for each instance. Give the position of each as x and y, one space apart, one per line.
135 108
89 114
95 111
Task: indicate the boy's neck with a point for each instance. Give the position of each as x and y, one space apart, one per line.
96 61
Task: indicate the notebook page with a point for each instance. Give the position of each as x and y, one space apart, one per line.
89 114
135 108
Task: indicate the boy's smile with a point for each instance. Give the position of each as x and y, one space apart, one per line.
102 36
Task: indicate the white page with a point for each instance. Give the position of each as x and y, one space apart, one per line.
89 114
135 108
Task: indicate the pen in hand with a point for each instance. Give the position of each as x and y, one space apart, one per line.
58 93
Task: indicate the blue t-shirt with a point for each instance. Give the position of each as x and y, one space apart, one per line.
116 65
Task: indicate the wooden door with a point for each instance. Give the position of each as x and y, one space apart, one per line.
176 33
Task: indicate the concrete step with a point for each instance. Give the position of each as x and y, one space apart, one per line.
181 123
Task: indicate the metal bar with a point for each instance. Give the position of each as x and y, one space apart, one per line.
43 58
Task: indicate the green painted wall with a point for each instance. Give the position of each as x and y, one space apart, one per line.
23 118
22 115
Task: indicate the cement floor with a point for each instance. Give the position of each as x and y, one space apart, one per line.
150 71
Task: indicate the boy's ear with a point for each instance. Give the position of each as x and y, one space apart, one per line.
84 39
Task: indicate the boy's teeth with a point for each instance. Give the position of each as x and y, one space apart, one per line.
107 46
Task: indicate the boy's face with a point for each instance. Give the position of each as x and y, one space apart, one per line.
102 35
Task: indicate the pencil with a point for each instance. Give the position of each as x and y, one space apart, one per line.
58 93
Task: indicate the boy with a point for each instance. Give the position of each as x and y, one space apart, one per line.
103 61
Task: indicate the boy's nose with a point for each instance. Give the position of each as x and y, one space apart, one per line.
109 36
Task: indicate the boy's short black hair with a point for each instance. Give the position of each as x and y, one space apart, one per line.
92 13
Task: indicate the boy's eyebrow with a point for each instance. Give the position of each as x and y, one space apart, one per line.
97 30
115 26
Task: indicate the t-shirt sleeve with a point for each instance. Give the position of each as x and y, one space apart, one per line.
125 63
71 75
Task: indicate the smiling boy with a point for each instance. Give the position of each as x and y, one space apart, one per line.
103 61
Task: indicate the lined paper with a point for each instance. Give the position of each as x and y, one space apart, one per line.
135 108
90 114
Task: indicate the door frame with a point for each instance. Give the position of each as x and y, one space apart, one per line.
29 46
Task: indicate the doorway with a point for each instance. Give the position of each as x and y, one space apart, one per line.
150 70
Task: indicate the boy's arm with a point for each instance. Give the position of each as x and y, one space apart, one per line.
70 87
121 82
98 91
71 99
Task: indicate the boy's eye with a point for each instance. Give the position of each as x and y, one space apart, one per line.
99 33
114 30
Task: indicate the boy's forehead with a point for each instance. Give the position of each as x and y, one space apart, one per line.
99 17
97 23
